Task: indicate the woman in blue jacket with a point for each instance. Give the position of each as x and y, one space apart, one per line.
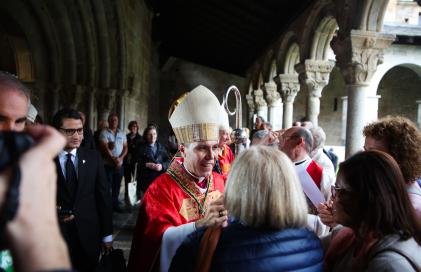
268 216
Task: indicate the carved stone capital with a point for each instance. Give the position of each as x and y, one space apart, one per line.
289 86
272 95
250 102
259 99
314 75
359 53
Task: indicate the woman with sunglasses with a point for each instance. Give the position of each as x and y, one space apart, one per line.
379 231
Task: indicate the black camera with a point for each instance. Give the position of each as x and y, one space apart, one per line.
12 145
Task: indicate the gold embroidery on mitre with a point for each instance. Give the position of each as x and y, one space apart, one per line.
197 132
190 210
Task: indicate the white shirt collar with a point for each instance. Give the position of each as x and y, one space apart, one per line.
63 153
198 178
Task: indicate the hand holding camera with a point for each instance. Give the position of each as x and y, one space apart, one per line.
33 235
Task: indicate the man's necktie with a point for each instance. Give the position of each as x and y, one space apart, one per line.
71 177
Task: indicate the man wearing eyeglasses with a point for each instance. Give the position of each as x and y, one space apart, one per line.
296 143
83 195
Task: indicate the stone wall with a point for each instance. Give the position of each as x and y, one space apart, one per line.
402 12
399 89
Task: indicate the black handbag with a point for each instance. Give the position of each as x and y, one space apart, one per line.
112 262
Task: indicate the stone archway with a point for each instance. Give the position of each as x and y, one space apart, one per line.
400 92
16 57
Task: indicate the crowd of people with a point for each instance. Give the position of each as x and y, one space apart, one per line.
282 204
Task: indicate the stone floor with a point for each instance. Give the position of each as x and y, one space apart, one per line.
124 224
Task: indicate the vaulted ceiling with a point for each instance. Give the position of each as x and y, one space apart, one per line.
224 34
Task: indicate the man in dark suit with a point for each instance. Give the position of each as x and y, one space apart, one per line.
83 195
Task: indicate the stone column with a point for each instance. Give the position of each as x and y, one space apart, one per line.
372 108
251 109
261 105
344 111
107 103
357 56
289 88
275 105
122 109
418 113
74 96
314 76
55 89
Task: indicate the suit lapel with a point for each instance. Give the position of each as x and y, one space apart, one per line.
82 163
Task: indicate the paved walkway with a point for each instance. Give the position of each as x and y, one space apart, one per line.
124 224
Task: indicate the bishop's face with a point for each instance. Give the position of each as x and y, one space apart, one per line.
199 157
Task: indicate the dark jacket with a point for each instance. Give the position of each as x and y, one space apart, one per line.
88 139
146 175
92 206
132 147
242 248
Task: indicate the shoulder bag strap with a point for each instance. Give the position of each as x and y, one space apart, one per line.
397 251
207 249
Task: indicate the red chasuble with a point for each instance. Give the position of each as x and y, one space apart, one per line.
171 200
225 160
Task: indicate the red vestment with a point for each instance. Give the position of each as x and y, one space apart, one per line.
225 160
168 202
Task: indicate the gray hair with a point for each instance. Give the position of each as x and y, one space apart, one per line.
319 137
263 190
260 134
306 135
11 82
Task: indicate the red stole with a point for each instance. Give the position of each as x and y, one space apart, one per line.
315 172
171 200
225 160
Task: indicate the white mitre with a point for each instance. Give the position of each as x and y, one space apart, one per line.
198 117
32 113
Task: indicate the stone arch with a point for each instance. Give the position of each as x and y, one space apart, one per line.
321 41
260 81
88 26
373 14
23 18
282 53
267 66
51 40
399 92
291 59
316 23
393 56
365 15
17 57
273 71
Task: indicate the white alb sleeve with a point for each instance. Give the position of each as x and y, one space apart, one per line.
171 240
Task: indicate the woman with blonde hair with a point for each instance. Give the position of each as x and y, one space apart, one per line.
268 216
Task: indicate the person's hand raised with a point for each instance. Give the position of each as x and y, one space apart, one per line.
34 235
216 215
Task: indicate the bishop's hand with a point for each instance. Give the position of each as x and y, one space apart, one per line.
215 216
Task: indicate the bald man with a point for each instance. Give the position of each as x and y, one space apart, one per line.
14 103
